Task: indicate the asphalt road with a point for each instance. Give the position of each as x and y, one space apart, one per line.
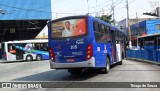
130 71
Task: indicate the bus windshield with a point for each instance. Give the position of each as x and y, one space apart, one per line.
68 28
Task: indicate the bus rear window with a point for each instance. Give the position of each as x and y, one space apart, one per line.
68 28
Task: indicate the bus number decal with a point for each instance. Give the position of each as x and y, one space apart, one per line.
73 47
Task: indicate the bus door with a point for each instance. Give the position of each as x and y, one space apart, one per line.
11 54
113 46
19 52
119 50
119 45
15 52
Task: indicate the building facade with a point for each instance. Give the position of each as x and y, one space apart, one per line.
147 27
134 20
23 19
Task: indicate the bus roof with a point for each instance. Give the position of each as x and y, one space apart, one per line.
111 26
29 41
149 35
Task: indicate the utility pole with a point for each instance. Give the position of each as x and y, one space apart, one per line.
137 23
88 6
56 15
113 12
103 11
128 20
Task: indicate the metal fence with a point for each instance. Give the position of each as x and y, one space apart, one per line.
144 54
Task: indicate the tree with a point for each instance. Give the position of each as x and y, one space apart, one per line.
106 18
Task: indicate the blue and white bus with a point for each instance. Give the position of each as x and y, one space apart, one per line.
81 42
148 49
25 50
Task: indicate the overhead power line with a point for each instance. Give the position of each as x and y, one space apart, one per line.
93 7
35 10
123 7
112 6
119 3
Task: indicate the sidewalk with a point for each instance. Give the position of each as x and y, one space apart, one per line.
1 61
5 61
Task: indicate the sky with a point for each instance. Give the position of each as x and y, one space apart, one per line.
62 8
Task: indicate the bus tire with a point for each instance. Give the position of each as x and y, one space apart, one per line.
38 57
120 63
29 58
107 68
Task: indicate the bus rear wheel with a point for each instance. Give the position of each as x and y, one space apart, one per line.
38 57
120 63
107 68
29 58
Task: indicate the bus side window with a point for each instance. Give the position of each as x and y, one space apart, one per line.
37 46
11 49
118 36
103 34
97 33
45 46
108 37
42 47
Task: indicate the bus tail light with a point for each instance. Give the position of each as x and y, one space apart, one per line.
51 55
89 52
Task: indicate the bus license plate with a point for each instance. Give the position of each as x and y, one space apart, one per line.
70 60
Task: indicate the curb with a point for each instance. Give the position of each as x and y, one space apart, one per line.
4 61
145 61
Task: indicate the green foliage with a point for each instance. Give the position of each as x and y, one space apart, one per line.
106 18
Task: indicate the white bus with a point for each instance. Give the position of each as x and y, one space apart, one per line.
25 50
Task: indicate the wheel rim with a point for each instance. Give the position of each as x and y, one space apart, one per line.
38 58
28 58
107 66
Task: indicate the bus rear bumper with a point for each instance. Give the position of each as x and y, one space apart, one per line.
84 64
